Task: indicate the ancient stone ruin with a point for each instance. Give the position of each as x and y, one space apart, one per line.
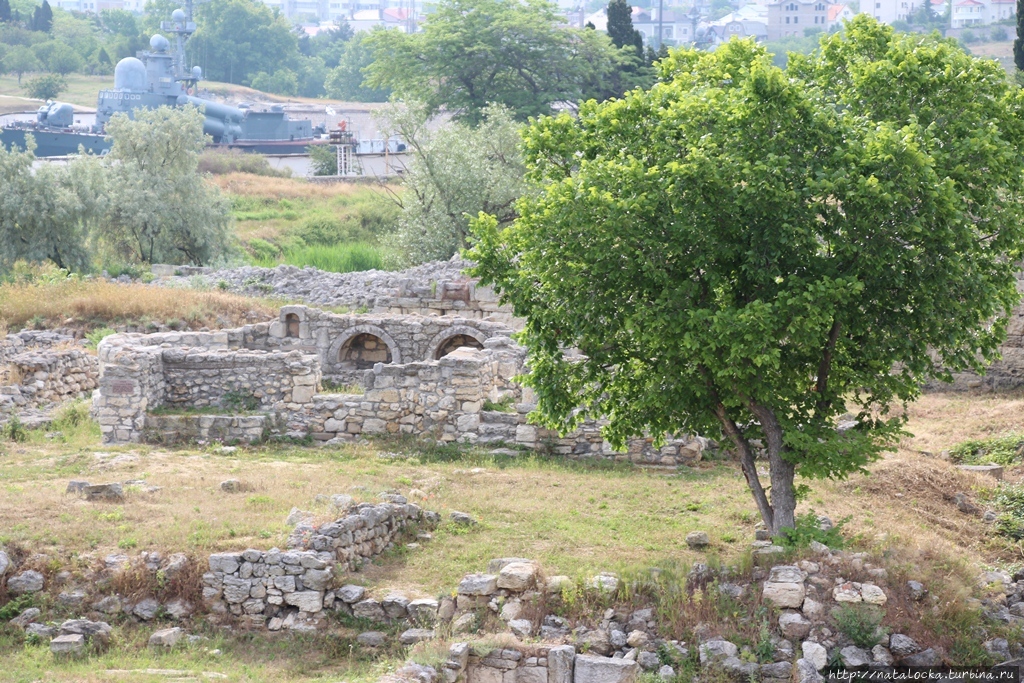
446 378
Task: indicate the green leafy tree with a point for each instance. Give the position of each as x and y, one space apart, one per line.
5 11
620 27
46 87
1018 42
237 39
42 18
49 213
58 57
471 53
347 80
120 22
159 208
751 253
20 60
281 82
455 172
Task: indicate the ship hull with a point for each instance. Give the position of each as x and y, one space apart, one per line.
54 143
61 144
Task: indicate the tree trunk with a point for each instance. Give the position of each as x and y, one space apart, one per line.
782 472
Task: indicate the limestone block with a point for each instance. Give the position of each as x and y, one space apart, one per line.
225 562
815 654
166 638
478 584
794 626
517 576
26 582
306 601
68 645
594 669
369 609
415 635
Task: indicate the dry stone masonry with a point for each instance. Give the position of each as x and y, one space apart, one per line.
42 369
438 377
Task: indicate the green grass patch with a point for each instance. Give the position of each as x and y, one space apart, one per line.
999 450
337 258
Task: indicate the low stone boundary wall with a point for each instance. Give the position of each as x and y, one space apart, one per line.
297 585
48 377
170 429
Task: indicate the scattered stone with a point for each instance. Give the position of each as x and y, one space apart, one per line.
166 638
715 650
146 609
71 645
517 576
605 582
927 657
296 516
462 519
998 648
593 669
350 593
522 628
395 606
872 594
415 635
917 590
341 502
698 540
111 493
648 661
882 655
794 625
373 639
110 604
848 592
806 672
26 582
854 657
179 609
25 618
76 486
785 587
478 584
5 563
815 653
637 639
231 486
40 631
666 673
465 623
901 645
777 671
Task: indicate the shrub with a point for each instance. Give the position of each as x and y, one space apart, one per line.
999 34
321 230
46 87
14 429
93 339
808 529
1001 450
338 258
968 36
1009 500
220 162
262 251
860 623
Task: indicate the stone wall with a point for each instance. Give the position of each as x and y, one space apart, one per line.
270 588
170 429
48 377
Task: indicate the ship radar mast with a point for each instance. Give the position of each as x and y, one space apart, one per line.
182 27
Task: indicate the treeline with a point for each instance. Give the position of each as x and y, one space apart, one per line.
144 202
519 49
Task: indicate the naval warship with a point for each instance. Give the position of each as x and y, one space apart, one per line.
155 78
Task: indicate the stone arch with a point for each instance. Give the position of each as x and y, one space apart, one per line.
359 335
454 337
292 325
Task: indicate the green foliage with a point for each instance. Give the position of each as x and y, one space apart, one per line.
323 159
860 623
14 429
239 401
1000 450
998 34
475 53
505 405
807 529
219 162
336 258
20 60
346 81
263 251
238 39
1009 501
15 606
93 339
46 87
159 209
712 243
281 82
455 173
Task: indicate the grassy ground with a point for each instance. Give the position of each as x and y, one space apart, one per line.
573 519
82 90
92 304
291 220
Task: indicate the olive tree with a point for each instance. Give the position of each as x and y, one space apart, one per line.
754 253
159 207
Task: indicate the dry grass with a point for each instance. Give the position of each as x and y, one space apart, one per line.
95 303
249 185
